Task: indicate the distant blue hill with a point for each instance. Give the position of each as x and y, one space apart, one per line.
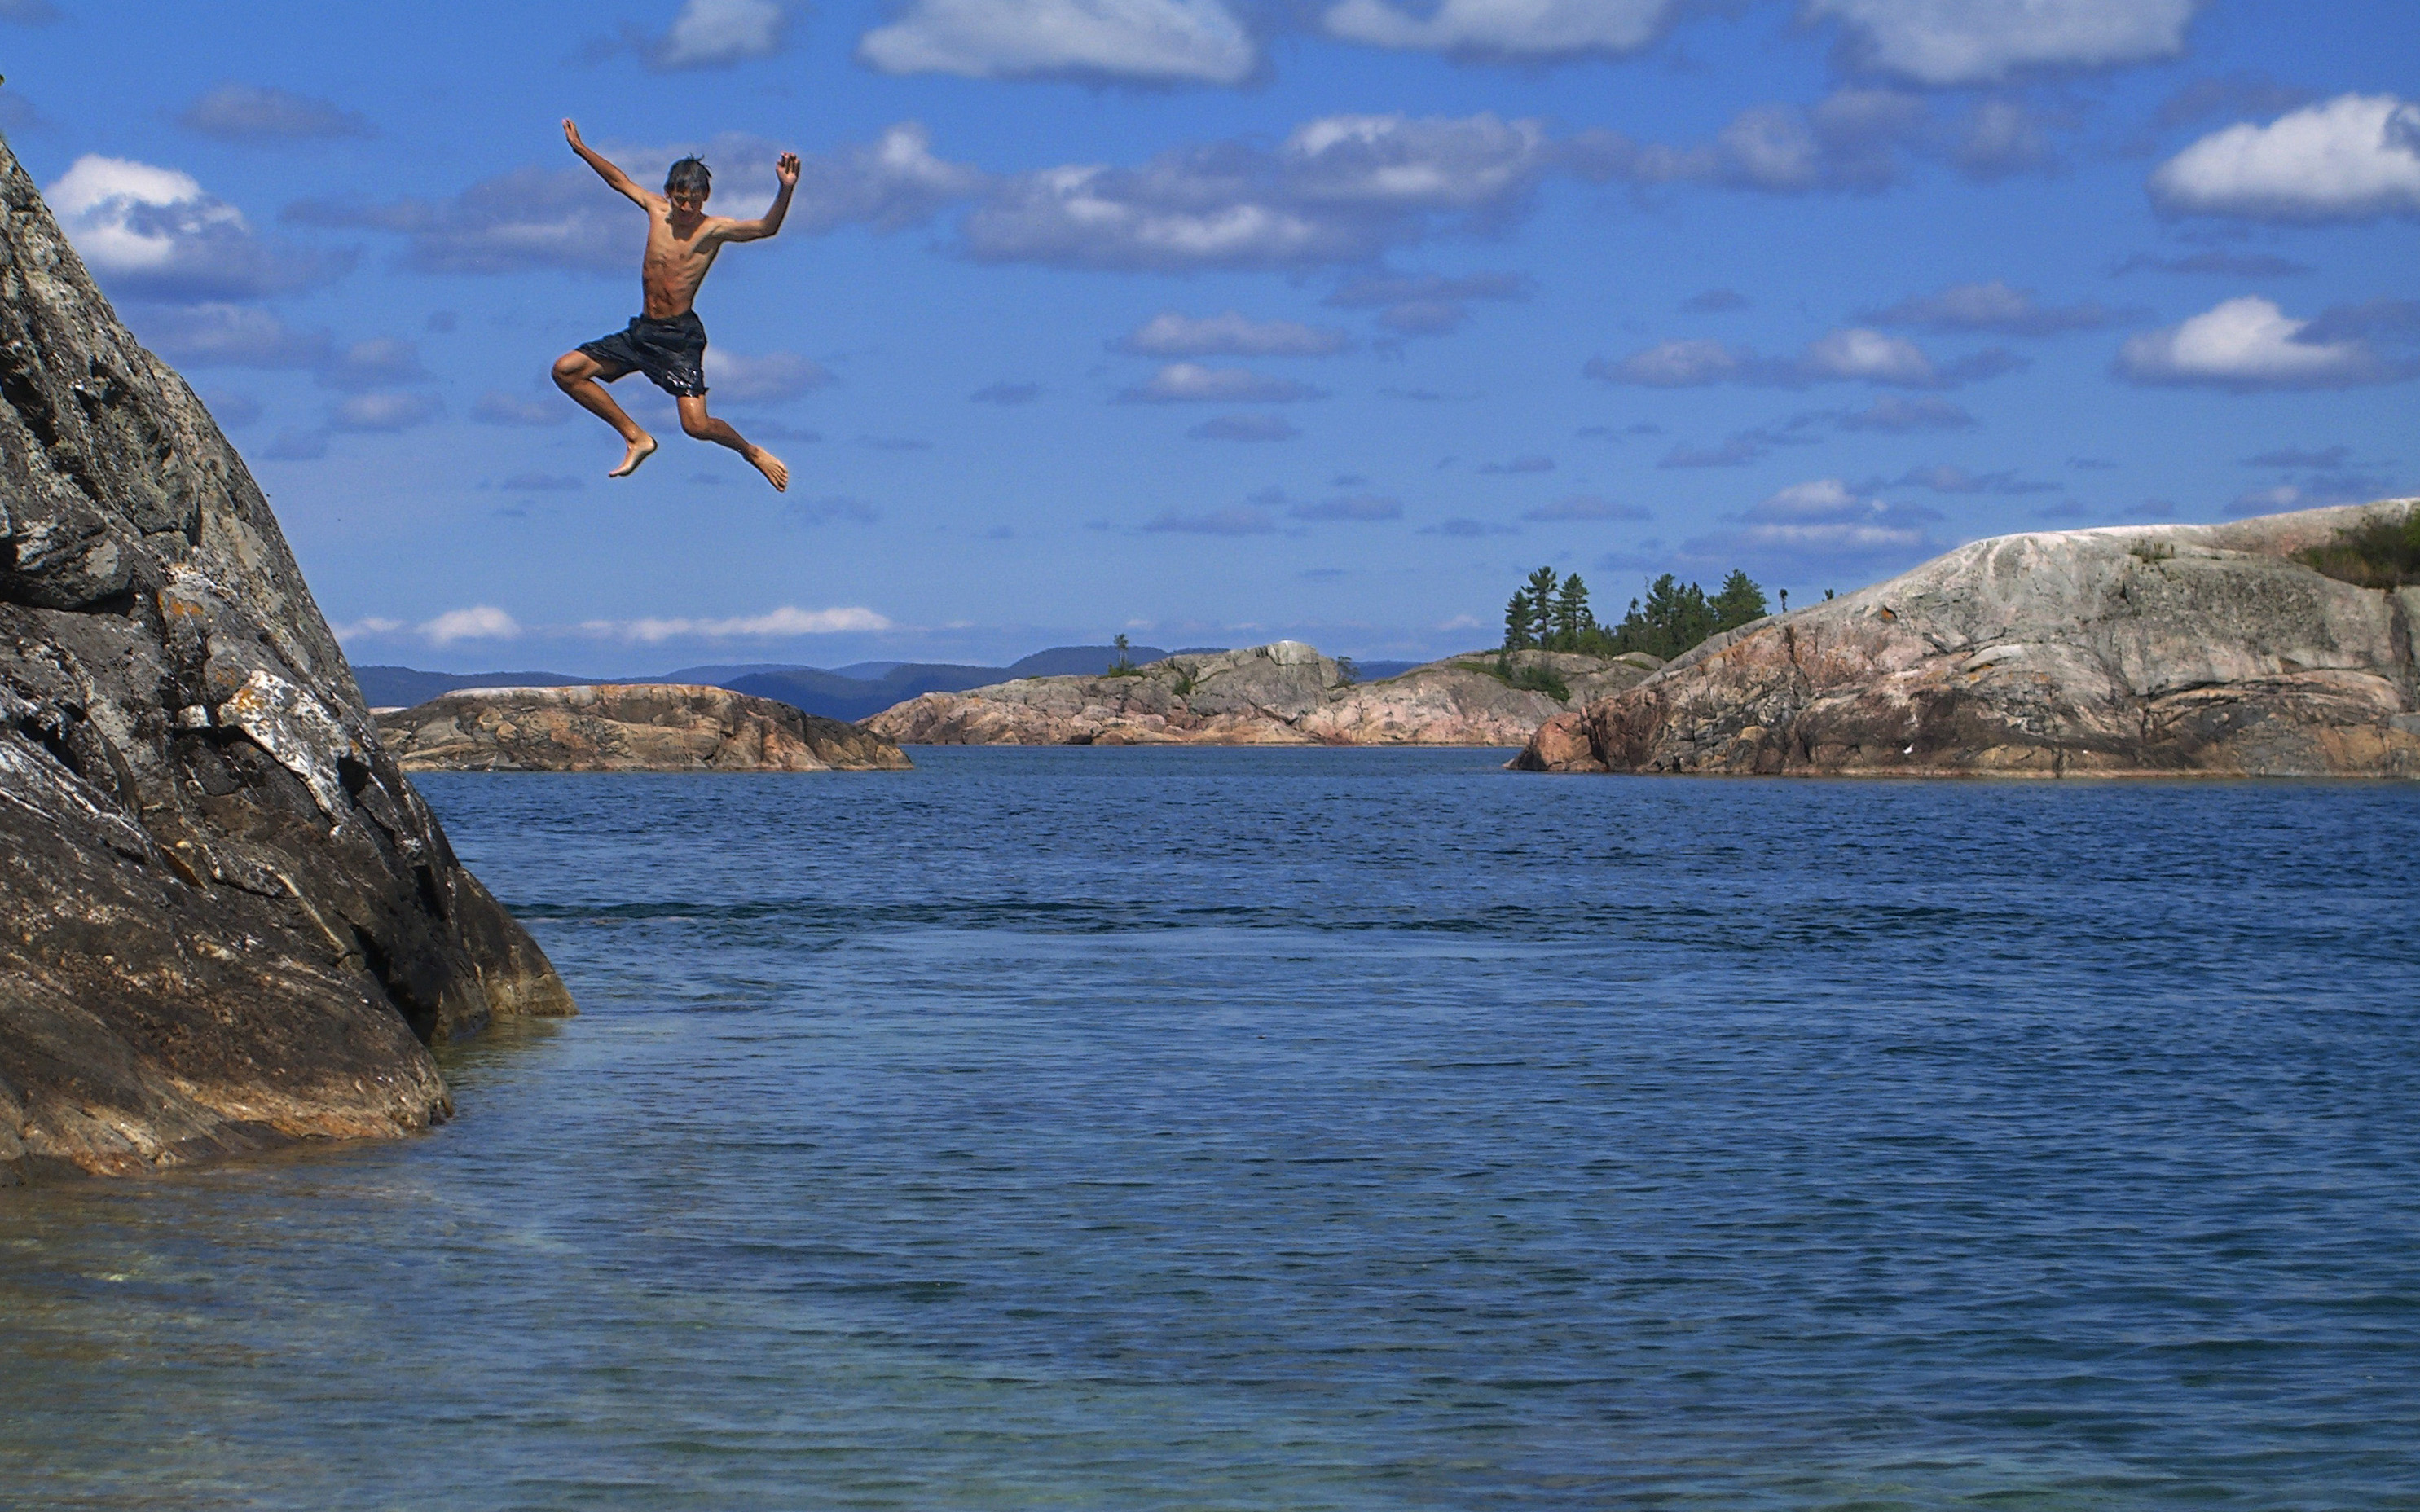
838 697
850 692
403 687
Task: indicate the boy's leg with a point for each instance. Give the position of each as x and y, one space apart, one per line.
576 373
695 421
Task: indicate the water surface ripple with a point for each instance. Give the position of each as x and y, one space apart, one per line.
1253 1130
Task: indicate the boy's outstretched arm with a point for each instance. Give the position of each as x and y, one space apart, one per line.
605 168
786 170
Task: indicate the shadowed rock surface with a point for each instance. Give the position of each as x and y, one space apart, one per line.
225 918
626 727
2128 651
1281 694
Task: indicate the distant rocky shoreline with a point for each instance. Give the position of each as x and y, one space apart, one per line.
2268 647
626 727
1281 694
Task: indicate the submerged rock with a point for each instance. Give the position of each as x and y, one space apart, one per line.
1281 694
626 727
225 918
2128 651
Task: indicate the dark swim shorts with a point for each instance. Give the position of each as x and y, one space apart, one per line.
671 352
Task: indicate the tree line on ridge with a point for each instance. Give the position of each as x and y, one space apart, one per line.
1548 613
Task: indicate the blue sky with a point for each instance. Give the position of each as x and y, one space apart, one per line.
1214 322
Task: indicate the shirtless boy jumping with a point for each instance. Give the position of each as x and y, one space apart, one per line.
668 343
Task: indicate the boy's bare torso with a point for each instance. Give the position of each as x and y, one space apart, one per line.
681 248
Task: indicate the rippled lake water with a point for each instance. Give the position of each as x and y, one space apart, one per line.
1301 1128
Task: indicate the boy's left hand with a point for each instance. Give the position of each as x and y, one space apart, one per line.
786 170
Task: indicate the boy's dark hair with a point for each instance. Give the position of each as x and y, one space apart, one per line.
688 176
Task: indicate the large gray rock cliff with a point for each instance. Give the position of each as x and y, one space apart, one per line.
225 918
2222 650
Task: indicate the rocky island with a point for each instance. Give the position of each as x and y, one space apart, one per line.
1281 694
626 727
2278 646
226 919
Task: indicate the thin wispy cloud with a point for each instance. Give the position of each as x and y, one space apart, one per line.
776 625
1193 383
258 113
1240 519
1505 30
386 412
1152 42
765 378
1855 354
1229 335
494 408
1942 42
1245 429
1997 308
1360 508
1588 507
564 218
1006 393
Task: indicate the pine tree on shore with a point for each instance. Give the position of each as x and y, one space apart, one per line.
1572 621
1520 630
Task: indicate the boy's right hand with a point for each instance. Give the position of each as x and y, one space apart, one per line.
570 133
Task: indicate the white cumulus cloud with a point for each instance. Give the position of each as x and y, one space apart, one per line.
711 34
1982 41
1339 190
1872 357
154 231
481 622
1504 28
99 199
1197 41
2249 344
2350 158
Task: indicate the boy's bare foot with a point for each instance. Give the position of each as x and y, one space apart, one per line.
641 449
776 472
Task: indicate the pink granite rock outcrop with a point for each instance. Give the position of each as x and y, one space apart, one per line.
2137 650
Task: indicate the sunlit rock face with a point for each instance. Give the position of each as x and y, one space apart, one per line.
626 727
2179 649
1281 694
225 918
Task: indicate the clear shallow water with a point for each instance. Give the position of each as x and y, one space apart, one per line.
1159 1129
